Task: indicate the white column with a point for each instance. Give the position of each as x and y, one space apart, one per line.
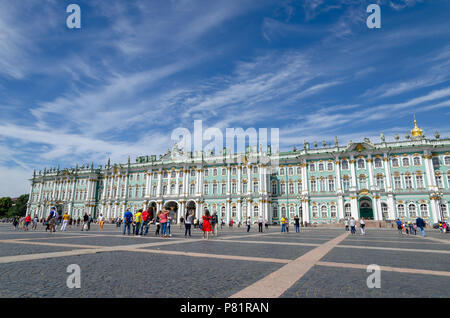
341 212
306 211
338 176
239 182
387 170
177 183
435 210
354 207
185 183
228 211
148 184
370 163
105 187
249 179
158 190
304 179
391 207
228 180
198 185
429 171
353 172
238 208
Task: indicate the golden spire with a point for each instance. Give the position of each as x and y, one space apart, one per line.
416 132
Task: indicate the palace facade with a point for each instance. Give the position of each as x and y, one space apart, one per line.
380 181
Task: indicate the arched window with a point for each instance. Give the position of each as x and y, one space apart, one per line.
424 210
362 182
291 171
401 210
447 160
283 212
345 164
275 212
205 188
405 162
412 210
333 212
378 163
330 166
320 166
315 213
255 211
233 211
192 189
416 161
282 188
324 211
222 212
361 163
348 210
444 210
244 211
291 212
214 188
385 210
395 163
312 167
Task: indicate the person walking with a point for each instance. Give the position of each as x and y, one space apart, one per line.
421 224
145 222
399 227
85 222
346 225
188 224
163 221
411 227
128 219
101 221
214 225
35 222
286 221
138 220
27 222
248 222
66 218
206 226
51 220
169 222
353 226
362 223
283 225
260 224
297 224
158 225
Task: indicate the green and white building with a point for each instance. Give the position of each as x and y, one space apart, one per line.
380 181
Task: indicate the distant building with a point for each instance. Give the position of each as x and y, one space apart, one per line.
380 181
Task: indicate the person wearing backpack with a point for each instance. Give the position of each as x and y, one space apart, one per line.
248 222
128 218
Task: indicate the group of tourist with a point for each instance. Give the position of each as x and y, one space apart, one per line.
409 228
350 225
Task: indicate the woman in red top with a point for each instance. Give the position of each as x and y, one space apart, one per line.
206 227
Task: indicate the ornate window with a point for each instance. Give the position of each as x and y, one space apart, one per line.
312 167
447 160
215 172
283 212
416 161
275 212
321 167
444 210
348 210
281 171
291 171
333 211
315 213
224 171
193 173
282 188
395 163
299 187
362 182
224 188
331 185
439 182
346 184
412 210
322 185
222 212
255 169
255 186
380 182
405 162
205 188
436 161
345 164
361 163
173 174
408 182
378 163
244 170
233 211
292 212
419 182
234 171
214 189
165 174
330 166
192 189
299 171
324 211
164 190
291 188
233 188
397 182
385 210
313 185
206 172
424 210
401 210
274 188
255 211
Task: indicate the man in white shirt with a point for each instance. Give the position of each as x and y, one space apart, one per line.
353 225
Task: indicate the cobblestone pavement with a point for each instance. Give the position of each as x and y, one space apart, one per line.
317 262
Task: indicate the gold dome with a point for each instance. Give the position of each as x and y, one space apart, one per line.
416 132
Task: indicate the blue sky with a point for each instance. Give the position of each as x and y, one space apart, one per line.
138 69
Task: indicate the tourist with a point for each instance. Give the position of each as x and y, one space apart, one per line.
15 223
169 221
399 227
421 224
128 219
51 220
145 222
35 222
78 221
444 227
286 221
411 227
283 224
231 224
260 224
405 227
222 224
297 224
266 224
248 222
188 223
214 225
346 225
27 221
415 228
362 224
163 221
56 218
85 222
101 221
66 218
138 219
181 222
353 226
206 227
158 225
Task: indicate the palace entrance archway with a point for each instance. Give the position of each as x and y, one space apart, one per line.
366 208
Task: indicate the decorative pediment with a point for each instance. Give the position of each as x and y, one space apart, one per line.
360 146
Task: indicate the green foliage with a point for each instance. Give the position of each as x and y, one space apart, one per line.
11 209
5 205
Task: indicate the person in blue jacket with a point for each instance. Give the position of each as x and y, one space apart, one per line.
128 218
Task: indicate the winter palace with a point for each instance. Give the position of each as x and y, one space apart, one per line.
321 184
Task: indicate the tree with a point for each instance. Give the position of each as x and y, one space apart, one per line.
5 205
19 207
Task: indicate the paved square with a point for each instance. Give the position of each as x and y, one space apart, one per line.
317 262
